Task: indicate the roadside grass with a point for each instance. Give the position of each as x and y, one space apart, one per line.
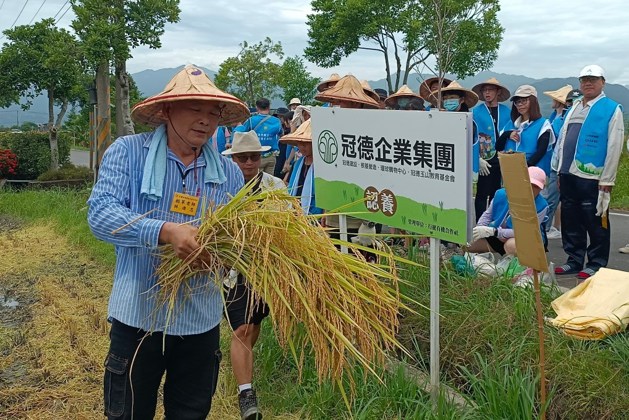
620 193
488 345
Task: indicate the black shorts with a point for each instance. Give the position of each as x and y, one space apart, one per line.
237 305
496 244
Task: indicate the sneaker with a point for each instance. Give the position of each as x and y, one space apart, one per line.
624 249
566 269
585 274
555 233
249 405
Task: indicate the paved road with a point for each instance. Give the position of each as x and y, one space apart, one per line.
80 157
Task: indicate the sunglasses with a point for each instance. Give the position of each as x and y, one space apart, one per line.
521 101
244 158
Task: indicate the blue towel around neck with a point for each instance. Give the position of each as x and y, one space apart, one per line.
156 161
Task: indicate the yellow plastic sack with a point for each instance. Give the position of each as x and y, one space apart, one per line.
596 308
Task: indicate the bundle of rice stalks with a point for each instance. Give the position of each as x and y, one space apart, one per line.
345 308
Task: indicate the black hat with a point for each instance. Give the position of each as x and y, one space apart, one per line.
574 94
383 94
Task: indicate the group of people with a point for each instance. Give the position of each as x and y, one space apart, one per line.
191 154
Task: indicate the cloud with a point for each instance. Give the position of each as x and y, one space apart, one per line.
541 39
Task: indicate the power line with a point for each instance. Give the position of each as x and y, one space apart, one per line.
18 16
60 9
64 13
35 15
2 4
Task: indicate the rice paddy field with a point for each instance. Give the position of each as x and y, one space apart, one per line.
55 280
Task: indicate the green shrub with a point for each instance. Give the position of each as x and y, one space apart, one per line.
68 171
33 151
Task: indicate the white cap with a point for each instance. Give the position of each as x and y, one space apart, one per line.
294 101
592 70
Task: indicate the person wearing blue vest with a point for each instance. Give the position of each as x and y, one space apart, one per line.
490 118
551 192
221 139
528 132
587 156
494 230
269 129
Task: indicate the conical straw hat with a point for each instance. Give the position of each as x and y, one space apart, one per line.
190 83
347 89
369 91
403 92
470 100
326 84
561 94
503 92
424 88
302 135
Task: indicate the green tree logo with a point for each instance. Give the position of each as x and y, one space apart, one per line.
327 146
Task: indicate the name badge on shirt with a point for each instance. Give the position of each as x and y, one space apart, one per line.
184 204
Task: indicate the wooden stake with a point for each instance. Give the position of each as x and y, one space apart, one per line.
542 358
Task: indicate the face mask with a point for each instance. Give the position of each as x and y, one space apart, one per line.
451 104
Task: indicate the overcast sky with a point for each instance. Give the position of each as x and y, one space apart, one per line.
542 38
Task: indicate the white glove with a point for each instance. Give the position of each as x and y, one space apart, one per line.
483 167
603 202
480 232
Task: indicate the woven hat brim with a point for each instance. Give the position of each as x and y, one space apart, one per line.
392 99
232 152
149 111
328 97
303 134
326 85
470 98
503 93
424 90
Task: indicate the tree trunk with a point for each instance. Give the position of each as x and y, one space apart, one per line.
124 125
52 132
103 112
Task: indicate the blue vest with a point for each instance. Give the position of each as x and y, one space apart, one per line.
267 127
221 140
528 143
556 121
500 209
307 199
591 149
486 146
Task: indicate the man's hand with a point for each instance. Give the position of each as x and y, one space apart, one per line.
603 202
515 136
606 188
483 167
480 232
183 238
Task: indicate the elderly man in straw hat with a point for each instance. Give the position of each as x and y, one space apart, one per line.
490 118
551 192
150 190
247 153
431 85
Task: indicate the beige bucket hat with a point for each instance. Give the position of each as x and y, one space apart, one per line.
348 89
190 83
403 92
327 84
503 92
243 142
424 88
302 135
470 98
559 95
295 101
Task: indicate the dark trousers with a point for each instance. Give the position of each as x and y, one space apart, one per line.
486 187
578 198
137 361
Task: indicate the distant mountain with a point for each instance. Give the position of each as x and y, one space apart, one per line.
150 82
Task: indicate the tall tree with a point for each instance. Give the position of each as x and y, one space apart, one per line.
296 81
252 74
398 30
110 30
41 58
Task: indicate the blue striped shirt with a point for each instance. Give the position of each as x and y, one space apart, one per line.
116 202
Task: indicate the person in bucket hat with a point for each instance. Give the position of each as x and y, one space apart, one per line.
490 117
244 320
151 189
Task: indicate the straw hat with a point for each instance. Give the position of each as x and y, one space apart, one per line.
348 89
369 91
327 84
302 135
503 92
190 83
245 142
470 98
424 88
559 95
403 92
